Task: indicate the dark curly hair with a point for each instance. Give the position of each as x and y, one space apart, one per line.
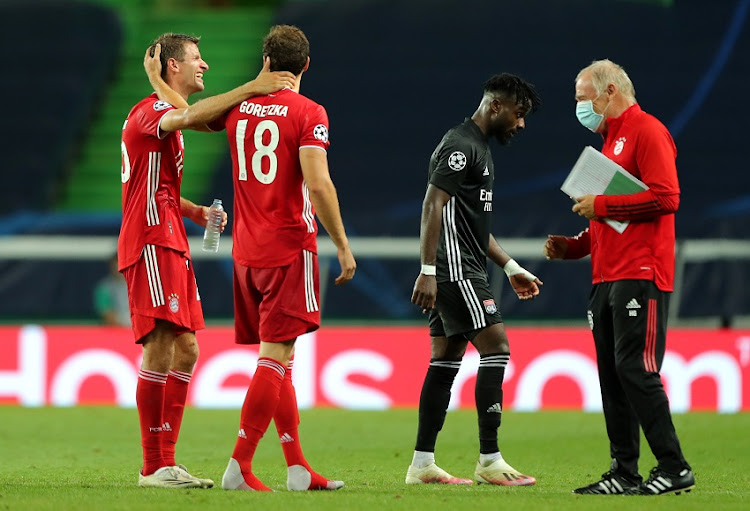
515 88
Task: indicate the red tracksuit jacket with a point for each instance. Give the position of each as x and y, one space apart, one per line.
640 144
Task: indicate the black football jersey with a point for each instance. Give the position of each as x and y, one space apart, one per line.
461 165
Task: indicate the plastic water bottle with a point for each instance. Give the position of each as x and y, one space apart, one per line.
213 227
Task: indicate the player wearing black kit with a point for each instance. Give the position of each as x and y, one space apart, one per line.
453 285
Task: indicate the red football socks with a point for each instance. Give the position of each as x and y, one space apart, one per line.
149 397
286 419
257 411
175 396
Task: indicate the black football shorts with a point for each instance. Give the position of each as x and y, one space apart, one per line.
463 308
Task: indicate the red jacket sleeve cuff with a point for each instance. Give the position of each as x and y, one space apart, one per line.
600 206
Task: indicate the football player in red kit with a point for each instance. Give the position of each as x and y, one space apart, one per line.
281 181
153 249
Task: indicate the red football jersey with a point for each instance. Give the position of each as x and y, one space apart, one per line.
151 173
273 216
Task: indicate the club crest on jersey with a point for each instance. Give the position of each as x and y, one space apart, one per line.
489 306
174 303
321 132
457 160
161 105
619 145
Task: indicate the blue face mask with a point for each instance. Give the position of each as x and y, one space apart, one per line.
587 116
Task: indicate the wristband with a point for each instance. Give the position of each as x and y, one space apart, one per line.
513 268
429 269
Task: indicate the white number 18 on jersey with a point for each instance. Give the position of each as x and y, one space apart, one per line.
260 152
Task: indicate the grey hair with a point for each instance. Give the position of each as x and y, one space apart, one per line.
603 72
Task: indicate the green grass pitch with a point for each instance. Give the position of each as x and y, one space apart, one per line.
88 458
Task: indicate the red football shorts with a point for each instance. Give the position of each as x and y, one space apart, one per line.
161 285
276 304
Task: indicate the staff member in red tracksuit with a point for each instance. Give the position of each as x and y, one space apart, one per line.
633 277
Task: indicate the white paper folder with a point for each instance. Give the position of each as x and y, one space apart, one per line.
595 174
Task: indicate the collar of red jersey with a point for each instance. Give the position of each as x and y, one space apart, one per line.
616 122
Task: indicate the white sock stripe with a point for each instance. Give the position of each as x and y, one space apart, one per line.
446 363
152 376
153 380
272 364
181 376
494 361
152 373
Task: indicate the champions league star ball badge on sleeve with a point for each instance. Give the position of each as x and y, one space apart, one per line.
457 161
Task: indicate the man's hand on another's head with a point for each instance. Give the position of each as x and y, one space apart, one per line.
269 81
152 61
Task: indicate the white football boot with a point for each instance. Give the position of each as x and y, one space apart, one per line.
432 474
205 482
168 477
502 474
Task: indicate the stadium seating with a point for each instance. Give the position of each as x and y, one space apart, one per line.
59 62
231 46
394 76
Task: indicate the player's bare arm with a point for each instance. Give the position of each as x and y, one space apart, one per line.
196 117
314 163
524 283
199 214
425 287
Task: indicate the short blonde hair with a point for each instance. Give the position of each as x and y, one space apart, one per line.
603 72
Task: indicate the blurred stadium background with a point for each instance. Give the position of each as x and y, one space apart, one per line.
394 75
